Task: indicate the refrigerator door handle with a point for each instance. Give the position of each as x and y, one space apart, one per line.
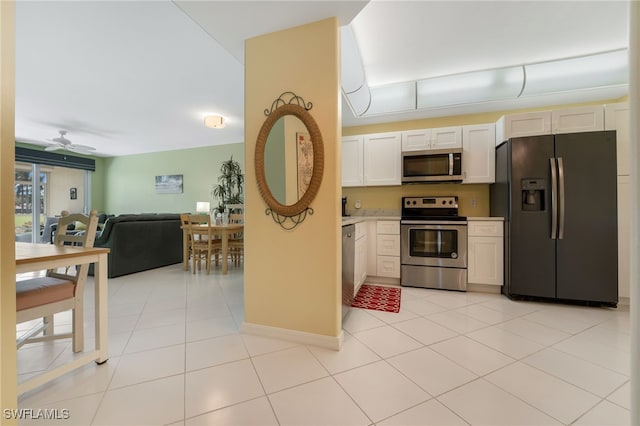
451 164
554 199
561 202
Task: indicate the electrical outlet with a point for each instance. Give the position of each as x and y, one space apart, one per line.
358 204
474 202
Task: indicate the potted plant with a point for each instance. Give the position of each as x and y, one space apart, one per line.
228 190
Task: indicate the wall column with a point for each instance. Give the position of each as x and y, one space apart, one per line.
634 302
293 277
8 366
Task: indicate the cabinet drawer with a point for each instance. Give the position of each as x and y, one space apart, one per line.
388 266
493 228
388 227
388 245
361 230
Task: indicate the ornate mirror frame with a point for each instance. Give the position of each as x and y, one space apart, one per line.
294 213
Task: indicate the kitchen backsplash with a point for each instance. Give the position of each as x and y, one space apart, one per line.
473 200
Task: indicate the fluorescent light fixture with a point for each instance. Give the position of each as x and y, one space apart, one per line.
471 87
359 101
214 121
585 72
393 98
352 77
202 207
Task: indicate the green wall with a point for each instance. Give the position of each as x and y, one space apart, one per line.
128 183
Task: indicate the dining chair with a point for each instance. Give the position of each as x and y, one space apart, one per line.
204 244
60 289
236 241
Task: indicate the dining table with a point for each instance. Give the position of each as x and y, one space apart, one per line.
33 257
223 230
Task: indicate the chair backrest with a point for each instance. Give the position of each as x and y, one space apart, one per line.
191 221
84 231
83 235
236 213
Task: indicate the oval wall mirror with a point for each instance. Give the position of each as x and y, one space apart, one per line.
288 158
309 164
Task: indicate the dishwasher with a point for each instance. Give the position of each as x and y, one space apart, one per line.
348 257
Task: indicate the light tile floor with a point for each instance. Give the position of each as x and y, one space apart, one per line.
177 358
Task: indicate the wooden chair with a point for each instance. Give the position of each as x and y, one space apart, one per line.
236 241
204 244
58 291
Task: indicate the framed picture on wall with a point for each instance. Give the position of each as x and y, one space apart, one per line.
73 193
304 150
169 184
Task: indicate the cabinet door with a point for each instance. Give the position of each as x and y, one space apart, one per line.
574 120
446 137
479 153
416 140
360 265
485 260
352 161
520 125
382 159
616 117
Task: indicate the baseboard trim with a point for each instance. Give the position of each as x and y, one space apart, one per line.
328 342
484 288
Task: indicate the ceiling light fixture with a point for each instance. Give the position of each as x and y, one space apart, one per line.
214 121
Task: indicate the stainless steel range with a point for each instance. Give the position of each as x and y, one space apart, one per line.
433 243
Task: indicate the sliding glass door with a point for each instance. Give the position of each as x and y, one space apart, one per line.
55 189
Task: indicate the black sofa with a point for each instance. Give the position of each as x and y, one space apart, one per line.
139 242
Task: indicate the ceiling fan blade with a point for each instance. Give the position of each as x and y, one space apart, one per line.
53 148
76 147
80 149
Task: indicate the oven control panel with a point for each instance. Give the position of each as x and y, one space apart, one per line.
430 202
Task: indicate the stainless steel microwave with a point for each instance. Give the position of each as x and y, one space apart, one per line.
432 165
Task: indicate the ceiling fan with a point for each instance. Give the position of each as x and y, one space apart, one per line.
63 143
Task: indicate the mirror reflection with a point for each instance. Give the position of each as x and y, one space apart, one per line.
288 160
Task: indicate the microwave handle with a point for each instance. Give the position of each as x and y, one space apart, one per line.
450 164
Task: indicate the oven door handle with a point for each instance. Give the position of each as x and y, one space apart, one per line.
433 222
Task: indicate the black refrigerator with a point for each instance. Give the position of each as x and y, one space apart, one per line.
558 197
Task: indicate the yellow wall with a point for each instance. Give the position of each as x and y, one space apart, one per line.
292 278
473 200
8 368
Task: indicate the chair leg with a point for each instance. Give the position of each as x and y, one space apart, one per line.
78 327
47 325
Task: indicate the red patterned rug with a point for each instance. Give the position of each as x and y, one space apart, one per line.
378 298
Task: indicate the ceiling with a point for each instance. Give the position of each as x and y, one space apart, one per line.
135 77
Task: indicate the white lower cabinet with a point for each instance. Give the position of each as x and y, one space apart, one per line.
485 252
388 248
360 261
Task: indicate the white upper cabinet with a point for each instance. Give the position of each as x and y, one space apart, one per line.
446 137
382 159
574 120
416 140
616 117
526 124
439 138
352 161
479 153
